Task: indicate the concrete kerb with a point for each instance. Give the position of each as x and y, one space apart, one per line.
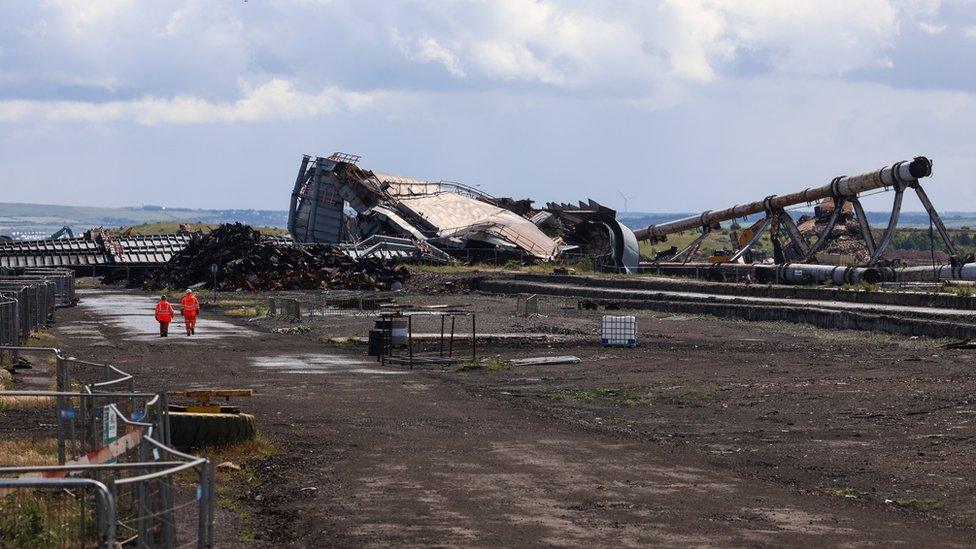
909 299
820 317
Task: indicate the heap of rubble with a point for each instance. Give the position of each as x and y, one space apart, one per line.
246 261
844 240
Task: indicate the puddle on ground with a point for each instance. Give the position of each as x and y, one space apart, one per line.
318 364
134 314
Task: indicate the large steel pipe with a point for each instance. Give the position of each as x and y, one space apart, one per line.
938 272
799 273
900 173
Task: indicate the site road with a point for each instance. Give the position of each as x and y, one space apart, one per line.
382 456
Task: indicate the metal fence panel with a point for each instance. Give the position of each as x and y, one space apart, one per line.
130 487
9 321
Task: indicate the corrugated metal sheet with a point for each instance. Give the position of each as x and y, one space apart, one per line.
317 209
459 216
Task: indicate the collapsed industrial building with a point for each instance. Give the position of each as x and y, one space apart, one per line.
445 218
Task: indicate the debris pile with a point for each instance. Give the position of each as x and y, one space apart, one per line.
246 261
845 238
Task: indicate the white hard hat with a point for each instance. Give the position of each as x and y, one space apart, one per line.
189 291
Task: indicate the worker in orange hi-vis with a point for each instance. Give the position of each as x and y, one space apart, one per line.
190 308
164 315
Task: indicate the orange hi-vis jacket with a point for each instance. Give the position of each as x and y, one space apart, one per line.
164 312
190 306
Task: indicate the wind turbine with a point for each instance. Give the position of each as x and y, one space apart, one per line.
626 199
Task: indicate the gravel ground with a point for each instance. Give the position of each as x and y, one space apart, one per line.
710 432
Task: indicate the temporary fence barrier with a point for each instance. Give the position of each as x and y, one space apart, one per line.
118 481
9 321
304 305
64 280
284 306
36 294
33 307
47 298
533 305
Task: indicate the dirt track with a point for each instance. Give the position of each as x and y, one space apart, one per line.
740 434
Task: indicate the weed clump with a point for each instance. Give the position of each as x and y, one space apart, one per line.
616 397
492 364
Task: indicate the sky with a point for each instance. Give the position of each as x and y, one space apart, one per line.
677 105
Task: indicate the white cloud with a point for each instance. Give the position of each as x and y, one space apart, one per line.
639 45
274 100
428 50
177 20
808 37
84 14
187 58
516 40
932 28
970 31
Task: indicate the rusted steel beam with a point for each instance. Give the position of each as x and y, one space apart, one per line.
898 175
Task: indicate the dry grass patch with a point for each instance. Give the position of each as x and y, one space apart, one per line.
22 402
26 452
245 312
237 477
243 307
42 518
11 402
42 339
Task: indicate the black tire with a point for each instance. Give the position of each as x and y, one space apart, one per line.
193 430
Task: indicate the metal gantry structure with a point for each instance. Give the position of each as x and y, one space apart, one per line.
899 176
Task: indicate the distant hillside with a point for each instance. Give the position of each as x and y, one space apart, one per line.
44 219
172 227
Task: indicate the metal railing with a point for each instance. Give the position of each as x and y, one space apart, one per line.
118 479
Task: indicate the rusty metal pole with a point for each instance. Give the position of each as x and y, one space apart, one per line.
474 338
450 348
898 175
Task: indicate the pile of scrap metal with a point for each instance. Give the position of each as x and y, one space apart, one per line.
245 260
335 201
838 230
591 232
845 243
